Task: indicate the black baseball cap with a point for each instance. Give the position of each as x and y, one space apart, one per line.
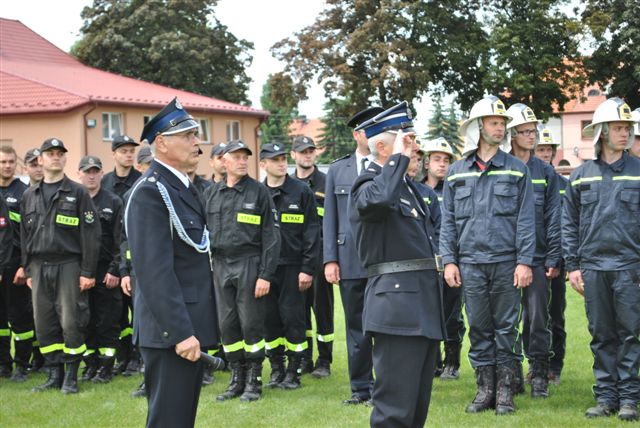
52 143
302 143
364 115
31 155
272 150
144 155
235 145
218 149
88 162
122 140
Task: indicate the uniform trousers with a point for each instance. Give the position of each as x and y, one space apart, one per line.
105 306
320 298
556 312
536 334
16 317
454 320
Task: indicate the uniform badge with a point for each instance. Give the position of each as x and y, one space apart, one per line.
11 200
404 201
414 212
294 207
36 152
55 142
152 179
70 198
125 138
107 210
276 147
249 206
3 222
89 217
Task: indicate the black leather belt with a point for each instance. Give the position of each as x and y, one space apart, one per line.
405 266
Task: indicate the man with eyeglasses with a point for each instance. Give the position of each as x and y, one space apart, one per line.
536 334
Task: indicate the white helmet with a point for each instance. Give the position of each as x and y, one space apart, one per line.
636 116
545 137
470 128
521 114
439 145
612 110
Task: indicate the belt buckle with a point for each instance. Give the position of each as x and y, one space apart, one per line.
439 266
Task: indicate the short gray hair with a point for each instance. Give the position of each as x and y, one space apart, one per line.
386 137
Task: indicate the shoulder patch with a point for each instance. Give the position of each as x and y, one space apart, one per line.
343 157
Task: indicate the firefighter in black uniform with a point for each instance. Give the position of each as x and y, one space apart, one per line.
246 244
216 162
16 313
403 300
33 167
6 238
119 181
299 250
320 295
601 243
200 183
487 241
60 238
536 335
105 299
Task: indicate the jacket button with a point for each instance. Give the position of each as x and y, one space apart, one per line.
397 285
392 163
165 334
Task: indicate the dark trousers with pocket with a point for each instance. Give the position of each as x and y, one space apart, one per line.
556 312
536 334
320 298
105 306
16 318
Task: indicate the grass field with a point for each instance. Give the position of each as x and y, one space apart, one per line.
318 403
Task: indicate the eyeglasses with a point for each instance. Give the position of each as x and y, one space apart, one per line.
528 132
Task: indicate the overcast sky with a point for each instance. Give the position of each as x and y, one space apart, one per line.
259 21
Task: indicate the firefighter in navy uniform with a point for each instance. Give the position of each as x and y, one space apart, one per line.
403 298
60 239
299 250
536 335
601 247
245 241
546 151
487 240
105 299
320 296
16 312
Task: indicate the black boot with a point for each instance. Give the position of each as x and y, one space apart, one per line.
540 380
253 383
123 353
140 392
322 369
135 363
207 377
277 370
236 382
292 377
70 382
90 367
517 383
37 360
451 361
54 381
19 373
486 394
306 364
504 389
105 372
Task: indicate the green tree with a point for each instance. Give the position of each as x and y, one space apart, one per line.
175 43
336 136
452 121
444 125
615 63
280 99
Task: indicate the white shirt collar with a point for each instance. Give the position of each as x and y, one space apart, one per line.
181 176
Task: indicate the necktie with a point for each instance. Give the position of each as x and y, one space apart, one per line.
363 164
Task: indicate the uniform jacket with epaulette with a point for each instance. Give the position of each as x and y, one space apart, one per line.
109 207
118 185
12 196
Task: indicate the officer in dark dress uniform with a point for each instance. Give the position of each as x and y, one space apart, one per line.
403 300
341 262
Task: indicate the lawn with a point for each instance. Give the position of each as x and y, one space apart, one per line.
318 403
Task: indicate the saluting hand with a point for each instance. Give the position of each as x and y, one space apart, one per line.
522 276
452 275
332 272
86 283
125 284
189 349
576 281
404 143
262 287
304 281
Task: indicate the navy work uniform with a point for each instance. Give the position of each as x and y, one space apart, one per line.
245 241
403 300
174 299
60 239
299 251
339 247
16 310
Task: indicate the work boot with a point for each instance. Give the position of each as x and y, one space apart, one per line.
134 364
141 391
37 361
439 364
70 382
599 410
486 394
322 369
277 371
451 361
504 390
5 370
123 354
236 381
105 372
306 364
19 374
253 382
54 381
517 383
292 377
90 367
628 412
207 375
540 379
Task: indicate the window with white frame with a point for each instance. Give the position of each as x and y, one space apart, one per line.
233 130
205 136
111 125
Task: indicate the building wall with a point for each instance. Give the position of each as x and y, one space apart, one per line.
575 148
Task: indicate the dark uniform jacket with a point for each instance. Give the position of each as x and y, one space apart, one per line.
317 182
118 185
242 223
12 196
6 236
338 242
548 252
431 200
174 296
488 217
299 226
201 184
390 222
601 216
69 229
109 207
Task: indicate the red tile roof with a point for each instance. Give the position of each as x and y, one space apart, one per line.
36 76
590 104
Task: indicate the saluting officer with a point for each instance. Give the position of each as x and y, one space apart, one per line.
403 300
105 299
341 262
60 238
320 296
601 243
246 245
299 250
487 241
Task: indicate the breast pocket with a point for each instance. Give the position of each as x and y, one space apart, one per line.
193 226
505 199
630 205
463 203
539 198
248 222
67 215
